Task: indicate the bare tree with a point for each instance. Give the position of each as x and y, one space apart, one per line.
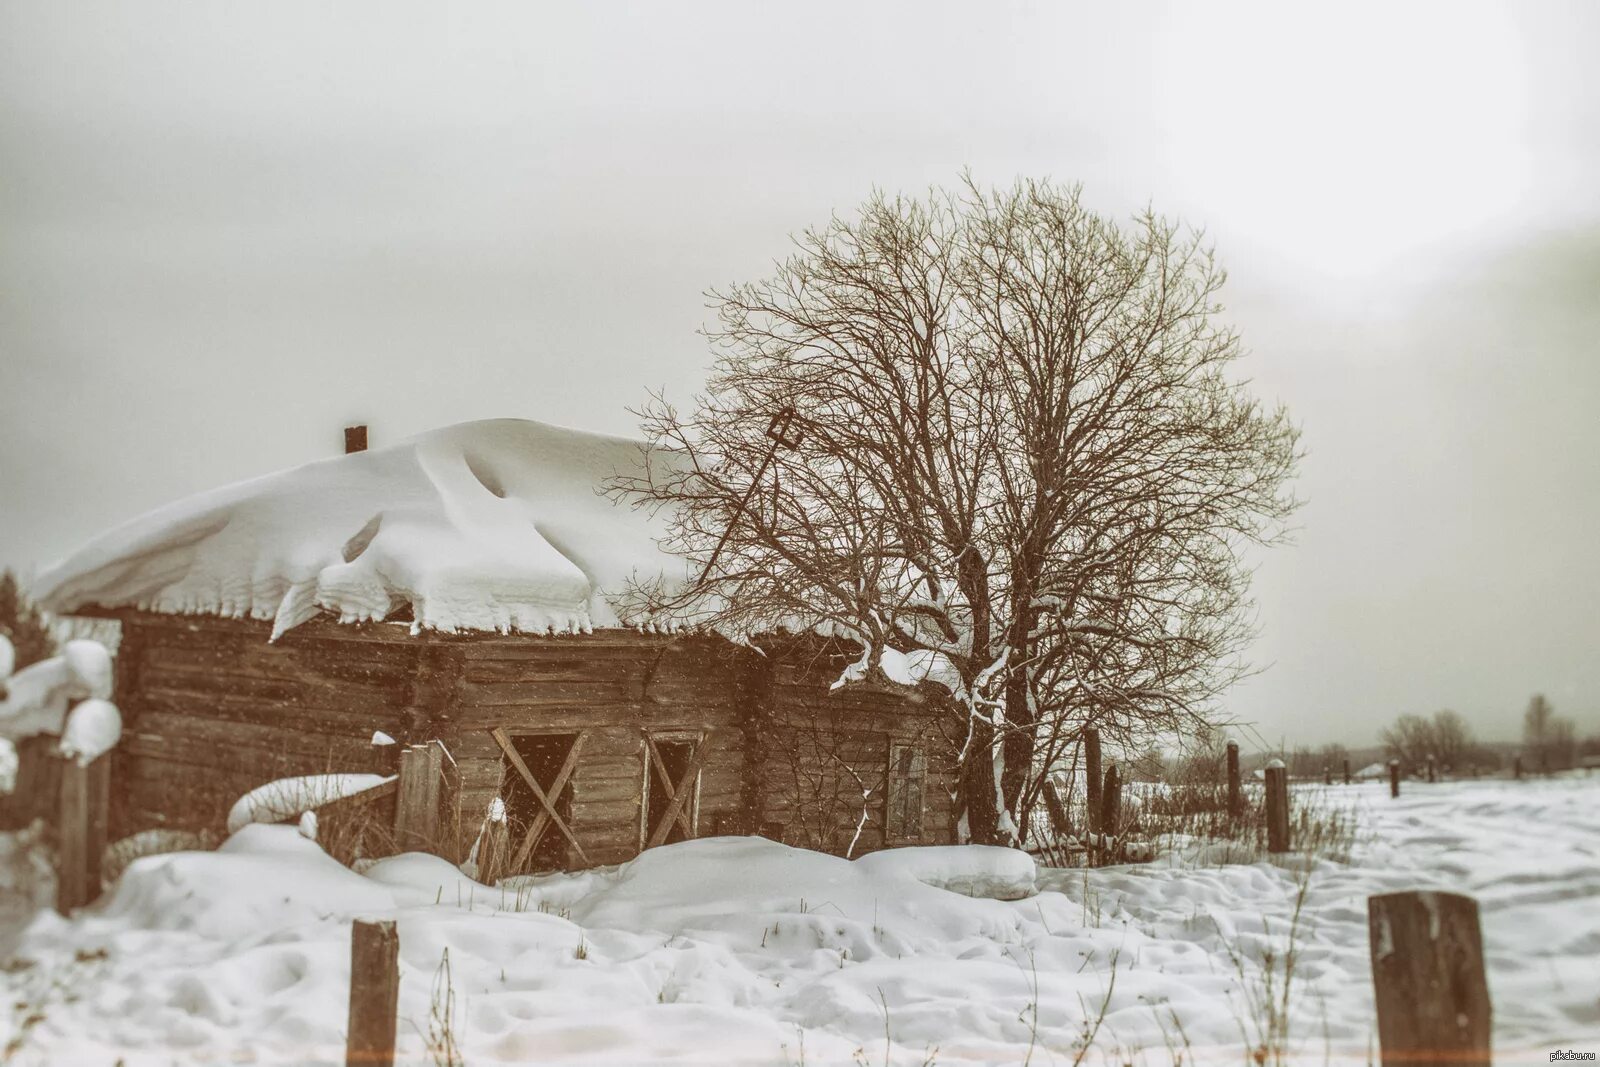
1551 741
996 428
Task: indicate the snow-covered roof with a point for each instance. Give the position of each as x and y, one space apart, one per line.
495 525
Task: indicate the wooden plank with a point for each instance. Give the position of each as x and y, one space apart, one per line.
374 994
421 794
1428 978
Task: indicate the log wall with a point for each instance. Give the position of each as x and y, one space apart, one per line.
212 710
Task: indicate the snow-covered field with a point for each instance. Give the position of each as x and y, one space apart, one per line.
742 951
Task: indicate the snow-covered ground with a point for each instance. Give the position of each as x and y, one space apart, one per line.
742 951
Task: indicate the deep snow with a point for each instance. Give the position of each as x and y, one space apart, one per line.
490 525
741 951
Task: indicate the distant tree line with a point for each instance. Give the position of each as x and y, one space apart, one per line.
1549 742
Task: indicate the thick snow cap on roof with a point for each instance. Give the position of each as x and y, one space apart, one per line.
496 525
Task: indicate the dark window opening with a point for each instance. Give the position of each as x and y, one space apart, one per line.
544 755
675 755
908 769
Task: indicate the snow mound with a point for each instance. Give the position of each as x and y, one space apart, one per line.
494 525
290 798
971 870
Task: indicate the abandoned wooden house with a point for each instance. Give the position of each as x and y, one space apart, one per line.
464 587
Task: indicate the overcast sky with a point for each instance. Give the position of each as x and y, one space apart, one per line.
228 230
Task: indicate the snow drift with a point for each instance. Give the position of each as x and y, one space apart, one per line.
495 525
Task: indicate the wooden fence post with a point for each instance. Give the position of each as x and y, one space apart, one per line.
426 801
1111 801
1394 778
1277 807
1516 768
1433 770
1346 772
374 993
1235 797
1427 974
1327 776
85 800
1091 766
1060 821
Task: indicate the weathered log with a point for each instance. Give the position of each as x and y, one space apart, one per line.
1277 807
1427 974
85 798
374 994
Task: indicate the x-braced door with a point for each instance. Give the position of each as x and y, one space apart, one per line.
672 771
546 790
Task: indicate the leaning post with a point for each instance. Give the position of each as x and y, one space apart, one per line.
1091 766
1235 799
1277 807
374 994
1427 975
84 807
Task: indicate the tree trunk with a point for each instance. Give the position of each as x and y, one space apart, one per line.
977 787
1018 744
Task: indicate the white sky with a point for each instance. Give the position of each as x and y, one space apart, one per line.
227 230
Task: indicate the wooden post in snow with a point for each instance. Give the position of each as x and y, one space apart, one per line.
1091 766
1277 807
426 800
1111 801
1327 776
1516 768
1427 974
1235 794
1060 821
1346 772
1433 770
355 439
374 993
85 799
1394 778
